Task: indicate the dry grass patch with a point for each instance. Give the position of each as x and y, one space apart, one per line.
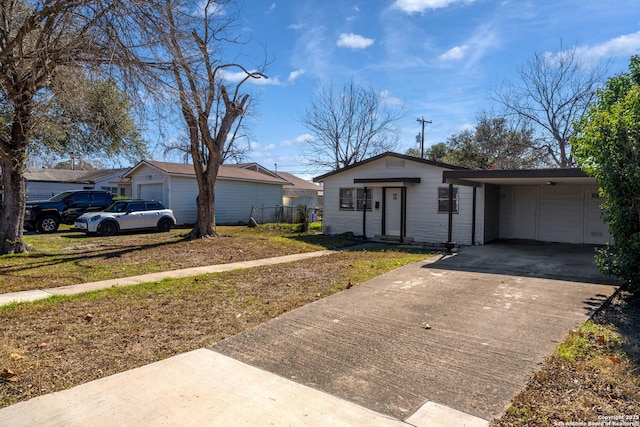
61 342
594 373
69 258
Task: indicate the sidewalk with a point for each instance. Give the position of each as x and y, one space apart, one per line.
37 294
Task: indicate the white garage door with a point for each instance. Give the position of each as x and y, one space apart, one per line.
525 213
152 192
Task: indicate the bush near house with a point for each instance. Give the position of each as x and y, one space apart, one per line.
607 146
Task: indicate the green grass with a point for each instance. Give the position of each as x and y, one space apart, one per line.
590 341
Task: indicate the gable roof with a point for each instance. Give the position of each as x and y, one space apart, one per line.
390 154
254 167
229 172
75 176
297 183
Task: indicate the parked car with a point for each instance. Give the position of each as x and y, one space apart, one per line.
127 215
46 215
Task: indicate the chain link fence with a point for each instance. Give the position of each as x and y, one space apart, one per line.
283 214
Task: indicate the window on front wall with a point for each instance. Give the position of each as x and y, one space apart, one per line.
361 201
347 199
443 200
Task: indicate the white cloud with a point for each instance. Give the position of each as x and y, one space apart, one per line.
210 8
455 53
238 76
296 26
354 41
624 45
271 8
300 139
413 6
293 76
386 98
484 39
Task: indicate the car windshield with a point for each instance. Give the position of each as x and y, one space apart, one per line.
60 196
117 207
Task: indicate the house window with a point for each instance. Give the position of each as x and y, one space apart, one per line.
360 199
347 199
443 200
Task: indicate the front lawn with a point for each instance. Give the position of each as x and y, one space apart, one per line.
68 257
60 342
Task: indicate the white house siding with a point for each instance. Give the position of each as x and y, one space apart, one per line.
560 214
182 199
147 176
424 223
235 199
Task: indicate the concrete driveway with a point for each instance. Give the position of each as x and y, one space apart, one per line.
464 331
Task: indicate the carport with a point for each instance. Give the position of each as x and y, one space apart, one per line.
548 205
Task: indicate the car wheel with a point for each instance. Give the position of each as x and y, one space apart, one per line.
108 228
164 225
47 224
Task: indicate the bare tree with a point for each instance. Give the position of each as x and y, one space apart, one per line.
198 74
553 92
347 126
238 142
37 40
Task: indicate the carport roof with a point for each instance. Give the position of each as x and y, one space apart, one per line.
517 177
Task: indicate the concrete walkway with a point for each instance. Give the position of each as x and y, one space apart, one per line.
429 344
37 294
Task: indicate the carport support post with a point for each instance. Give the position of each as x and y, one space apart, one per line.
450 233
473 218
364 212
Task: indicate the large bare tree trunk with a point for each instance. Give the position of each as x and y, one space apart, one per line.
207 171
12 157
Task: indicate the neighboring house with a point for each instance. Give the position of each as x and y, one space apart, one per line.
407 199
44 183
239 189
300 192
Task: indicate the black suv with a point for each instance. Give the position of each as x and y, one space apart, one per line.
46 215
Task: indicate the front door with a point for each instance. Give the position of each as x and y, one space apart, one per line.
525 213
393 211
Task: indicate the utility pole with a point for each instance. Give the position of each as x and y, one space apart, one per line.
422 121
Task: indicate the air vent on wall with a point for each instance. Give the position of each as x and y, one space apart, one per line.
395 164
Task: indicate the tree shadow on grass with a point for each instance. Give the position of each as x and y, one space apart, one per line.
100 250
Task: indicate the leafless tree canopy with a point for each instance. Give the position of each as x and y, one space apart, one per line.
149 48
347 126
209 103
553 91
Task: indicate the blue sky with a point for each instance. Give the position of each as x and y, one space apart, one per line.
438 58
